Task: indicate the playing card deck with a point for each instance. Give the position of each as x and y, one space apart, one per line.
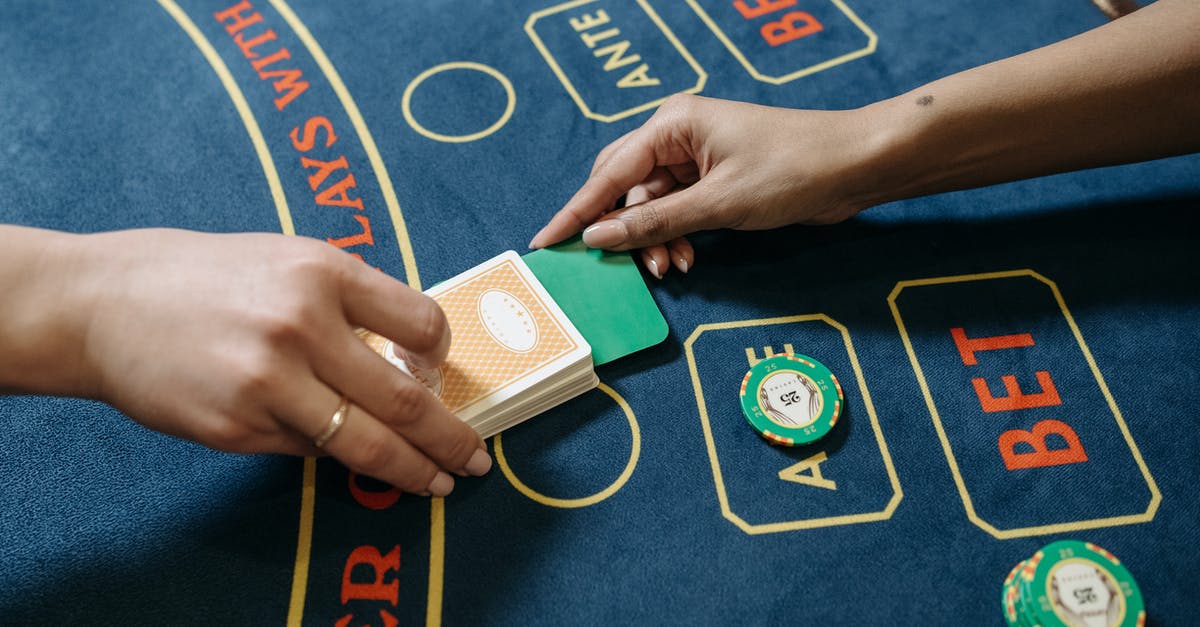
513 352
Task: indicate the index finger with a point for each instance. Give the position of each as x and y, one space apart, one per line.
376 301
629 164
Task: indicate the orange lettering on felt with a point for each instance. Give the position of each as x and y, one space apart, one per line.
338 194
239 21
278 55
791 27
388 619
247 46
1016 399
370 499
380 565
967 346
305 142
324 169
347 242
1041 455
289 81
761 7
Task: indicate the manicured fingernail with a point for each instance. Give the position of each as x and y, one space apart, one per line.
682 264
441 485
479 464
533 243
652 266
605 234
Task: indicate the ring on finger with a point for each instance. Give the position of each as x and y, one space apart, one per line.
335 423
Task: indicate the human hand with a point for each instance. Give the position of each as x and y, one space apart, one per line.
246 343
700 163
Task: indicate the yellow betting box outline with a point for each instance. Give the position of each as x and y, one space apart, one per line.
510 103
701 75
718 480
433 614
872 42
635 450
1005 534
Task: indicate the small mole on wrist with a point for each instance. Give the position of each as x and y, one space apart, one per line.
925 100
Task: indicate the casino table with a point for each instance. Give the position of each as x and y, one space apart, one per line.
1019 363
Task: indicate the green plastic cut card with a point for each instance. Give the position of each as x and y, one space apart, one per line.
604 296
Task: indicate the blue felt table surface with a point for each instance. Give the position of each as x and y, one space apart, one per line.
651 502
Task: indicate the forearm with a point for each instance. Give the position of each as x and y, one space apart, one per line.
42 312
1127 91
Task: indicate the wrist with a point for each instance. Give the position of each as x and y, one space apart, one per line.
45 312
898 160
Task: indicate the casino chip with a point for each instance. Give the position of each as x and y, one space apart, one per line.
1071 583
791 400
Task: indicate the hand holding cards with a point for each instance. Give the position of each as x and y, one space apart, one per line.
513 354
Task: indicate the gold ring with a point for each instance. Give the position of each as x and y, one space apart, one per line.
335 423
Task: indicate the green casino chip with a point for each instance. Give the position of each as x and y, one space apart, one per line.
1069 583
791 400
1024 597
1009 598
1079 583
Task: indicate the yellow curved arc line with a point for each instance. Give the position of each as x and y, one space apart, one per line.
308 482
635 451
433 611
364 136
243 109
308 499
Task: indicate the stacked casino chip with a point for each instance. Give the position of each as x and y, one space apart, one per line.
791 400
1072 583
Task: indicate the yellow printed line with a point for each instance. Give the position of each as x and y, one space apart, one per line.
531 31
872 44
959 481
437 532
307 490
635 451
308 498
437 560
710 441
364 135
243 109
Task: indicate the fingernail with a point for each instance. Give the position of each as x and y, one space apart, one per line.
605 234
414 362
479 464
682 265
441 485
533 242
652 266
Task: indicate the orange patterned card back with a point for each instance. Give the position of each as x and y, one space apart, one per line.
504 332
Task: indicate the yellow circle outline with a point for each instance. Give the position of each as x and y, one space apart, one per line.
406 101
634 453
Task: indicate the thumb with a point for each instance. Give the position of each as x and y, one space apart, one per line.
657 221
